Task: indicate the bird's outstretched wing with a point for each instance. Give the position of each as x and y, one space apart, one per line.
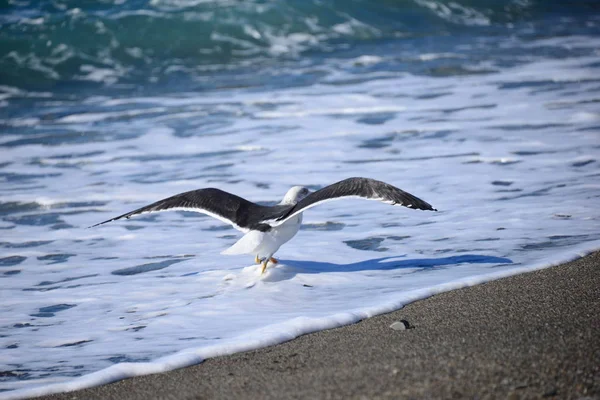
229 208
245 215
365 188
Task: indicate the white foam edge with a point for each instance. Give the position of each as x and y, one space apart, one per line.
280 333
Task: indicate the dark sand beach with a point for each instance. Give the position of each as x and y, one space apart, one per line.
535 335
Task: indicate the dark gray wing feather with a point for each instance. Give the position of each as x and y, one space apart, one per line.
241 213
366 188
245 215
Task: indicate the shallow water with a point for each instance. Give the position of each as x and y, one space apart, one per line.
492 117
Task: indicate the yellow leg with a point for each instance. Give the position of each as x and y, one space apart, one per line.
274 260
264 266
257 260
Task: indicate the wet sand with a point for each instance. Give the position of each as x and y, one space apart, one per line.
534 335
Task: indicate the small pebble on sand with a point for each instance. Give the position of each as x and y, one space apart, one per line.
400 325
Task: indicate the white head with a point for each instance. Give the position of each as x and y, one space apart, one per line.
294 195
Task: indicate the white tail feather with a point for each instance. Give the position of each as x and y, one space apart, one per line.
248 244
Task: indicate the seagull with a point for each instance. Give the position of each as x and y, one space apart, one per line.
267 228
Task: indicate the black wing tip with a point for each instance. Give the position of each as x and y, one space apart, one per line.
422 207
426 209
100 223
429 207
109 220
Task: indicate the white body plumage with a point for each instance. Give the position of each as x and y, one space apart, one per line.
265 244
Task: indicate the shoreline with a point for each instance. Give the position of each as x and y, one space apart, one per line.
529 335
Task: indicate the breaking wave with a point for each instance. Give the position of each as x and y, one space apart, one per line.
45 44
